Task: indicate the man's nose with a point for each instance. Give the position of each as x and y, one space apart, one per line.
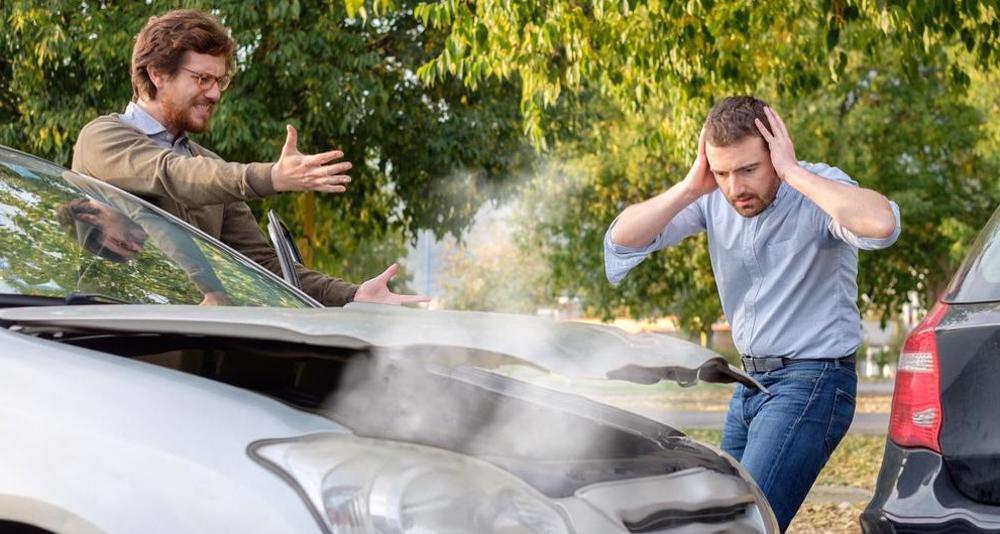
736 187
214 93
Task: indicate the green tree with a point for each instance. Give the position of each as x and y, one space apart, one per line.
648 51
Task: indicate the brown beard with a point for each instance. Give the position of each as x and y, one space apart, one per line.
766 201
176 116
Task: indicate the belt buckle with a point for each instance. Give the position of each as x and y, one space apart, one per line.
761 365
773 364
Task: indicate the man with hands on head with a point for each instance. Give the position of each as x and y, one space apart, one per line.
181 63
783 237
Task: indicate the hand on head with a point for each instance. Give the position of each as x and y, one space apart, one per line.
779 143
296 171
699 179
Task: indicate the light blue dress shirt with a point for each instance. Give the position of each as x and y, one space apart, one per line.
787 277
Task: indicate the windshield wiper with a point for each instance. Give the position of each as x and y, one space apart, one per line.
17 300
92 298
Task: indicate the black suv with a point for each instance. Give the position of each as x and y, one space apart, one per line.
941 468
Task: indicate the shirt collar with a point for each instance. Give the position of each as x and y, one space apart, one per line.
148 125
782 191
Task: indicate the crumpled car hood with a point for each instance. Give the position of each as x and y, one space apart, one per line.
576 350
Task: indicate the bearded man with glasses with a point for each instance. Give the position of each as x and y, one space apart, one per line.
181 64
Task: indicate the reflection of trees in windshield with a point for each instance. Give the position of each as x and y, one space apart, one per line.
244 289
56 239
42 257
35 249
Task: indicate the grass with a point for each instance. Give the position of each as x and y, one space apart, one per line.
855 462
841 518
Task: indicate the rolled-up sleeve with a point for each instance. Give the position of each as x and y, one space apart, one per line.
620 259
868 243
838 230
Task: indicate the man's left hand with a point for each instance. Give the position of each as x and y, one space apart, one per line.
377 290
782 150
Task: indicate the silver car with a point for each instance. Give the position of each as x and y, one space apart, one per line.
125 406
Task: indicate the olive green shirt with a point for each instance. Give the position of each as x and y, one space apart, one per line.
194 184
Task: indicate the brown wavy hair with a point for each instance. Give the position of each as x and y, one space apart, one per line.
163 41
731 120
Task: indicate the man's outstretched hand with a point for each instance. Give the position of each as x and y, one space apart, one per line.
377 290
296 171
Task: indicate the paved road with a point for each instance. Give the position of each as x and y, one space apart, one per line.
864 423
881 387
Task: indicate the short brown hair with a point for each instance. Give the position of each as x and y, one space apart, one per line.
163 41
731 120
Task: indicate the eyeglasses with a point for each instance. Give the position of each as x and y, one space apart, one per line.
205 81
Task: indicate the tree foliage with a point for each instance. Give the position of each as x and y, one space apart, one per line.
647 51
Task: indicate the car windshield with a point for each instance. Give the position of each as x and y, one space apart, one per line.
65 235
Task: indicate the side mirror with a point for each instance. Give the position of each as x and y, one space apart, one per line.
284 245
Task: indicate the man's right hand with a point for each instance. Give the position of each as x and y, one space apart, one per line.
699 180
295 171
639 224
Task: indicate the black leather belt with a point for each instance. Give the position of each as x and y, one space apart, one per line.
763 365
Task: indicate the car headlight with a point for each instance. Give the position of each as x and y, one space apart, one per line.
359 485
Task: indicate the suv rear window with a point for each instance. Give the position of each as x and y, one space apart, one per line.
978 279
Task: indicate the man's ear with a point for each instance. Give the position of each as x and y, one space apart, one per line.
157 77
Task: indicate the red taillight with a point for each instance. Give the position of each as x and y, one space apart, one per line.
916 401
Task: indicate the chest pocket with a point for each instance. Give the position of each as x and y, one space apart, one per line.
786 242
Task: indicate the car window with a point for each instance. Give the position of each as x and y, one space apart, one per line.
978 279
63 233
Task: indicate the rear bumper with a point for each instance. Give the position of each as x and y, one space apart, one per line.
915 494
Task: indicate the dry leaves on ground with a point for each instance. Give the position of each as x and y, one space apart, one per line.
827 519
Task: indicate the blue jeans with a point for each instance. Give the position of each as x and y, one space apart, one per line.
784 439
